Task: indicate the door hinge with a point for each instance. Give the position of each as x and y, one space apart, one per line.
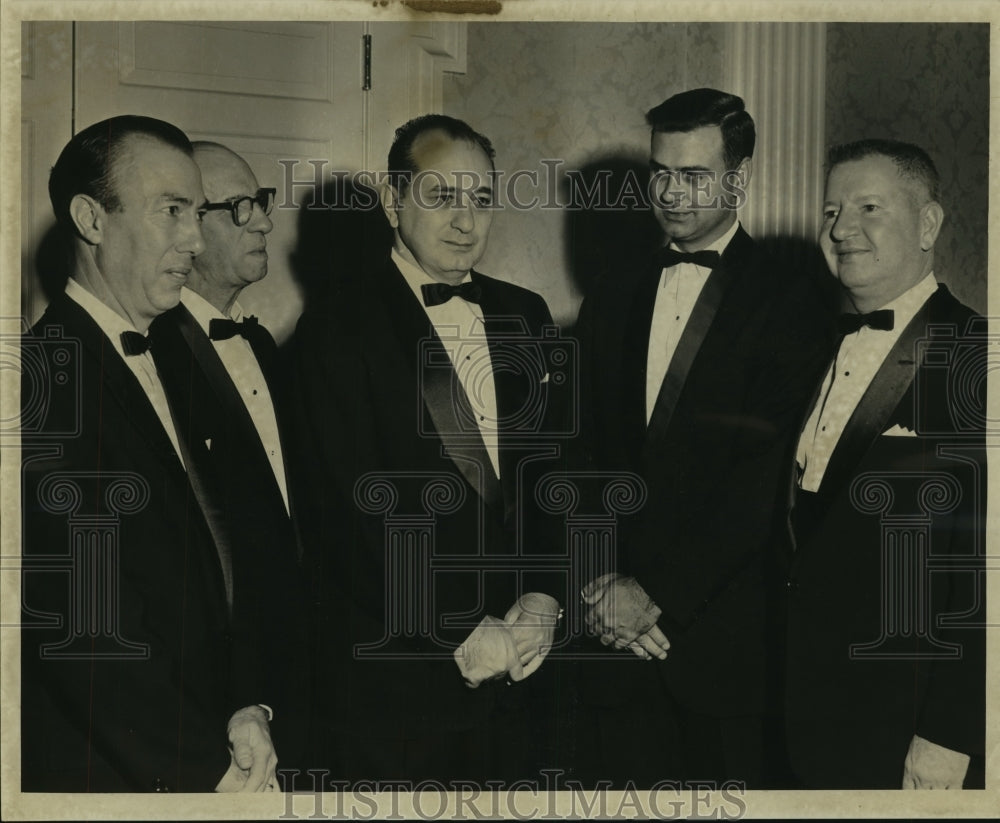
367 44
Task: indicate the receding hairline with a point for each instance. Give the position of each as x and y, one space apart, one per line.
915 183
215 159
126 157
444 139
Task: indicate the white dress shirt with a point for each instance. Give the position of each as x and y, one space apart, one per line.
858 359
239 360
460 326
676 296
141 365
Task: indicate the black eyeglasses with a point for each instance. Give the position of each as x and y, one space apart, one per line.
242 208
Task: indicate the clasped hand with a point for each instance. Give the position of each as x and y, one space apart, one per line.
252 759
514 646
623 615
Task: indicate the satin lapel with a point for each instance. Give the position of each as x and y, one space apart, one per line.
118 378
507 334
444 398
178 339
705 309
635 350
234 410
887 388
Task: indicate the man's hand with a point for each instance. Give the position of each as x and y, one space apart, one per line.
622 615
930 766
488 653
252 757
533 620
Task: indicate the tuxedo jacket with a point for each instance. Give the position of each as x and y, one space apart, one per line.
248 516
886 599
126 646
711 458
411 537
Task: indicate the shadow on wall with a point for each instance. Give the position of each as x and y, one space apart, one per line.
610 228
342 233
609 224
796 254
53 262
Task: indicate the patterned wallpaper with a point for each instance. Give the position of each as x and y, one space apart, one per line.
927 84
576 93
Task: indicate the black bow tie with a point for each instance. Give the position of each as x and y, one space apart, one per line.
134 343
882 320
668 257
220 329
437 293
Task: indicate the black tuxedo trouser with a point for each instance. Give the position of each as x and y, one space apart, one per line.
649 738
502 749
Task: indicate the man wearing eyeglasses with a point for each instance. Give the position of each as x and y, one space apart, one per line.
127 682
218 367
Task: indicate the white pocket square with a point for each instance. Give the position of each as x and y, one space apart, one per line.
899 431
208 444
545 379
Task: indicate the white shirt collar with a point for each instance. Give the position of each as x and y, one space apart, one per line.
906 306
110 322
720 244
204 312
415 276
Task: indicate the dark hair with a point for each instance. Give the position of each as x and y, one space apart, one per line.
696 108
402 165
87 163
911 161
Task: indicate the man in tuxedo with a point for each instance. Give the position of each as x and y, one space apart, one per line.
886 610
128 676
423 390
219 368
696 367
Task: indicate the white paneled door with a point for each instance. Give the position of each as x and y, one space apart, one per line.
270 91
288 96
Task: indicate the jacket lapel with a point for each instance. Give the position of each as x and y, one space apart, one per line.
443 395
634 356
118 378
518 372
216 377
891 381
695 331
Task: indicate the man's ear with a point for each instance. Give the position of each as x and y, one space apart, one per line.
735 184
744 171
931 220
88 217
389 197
